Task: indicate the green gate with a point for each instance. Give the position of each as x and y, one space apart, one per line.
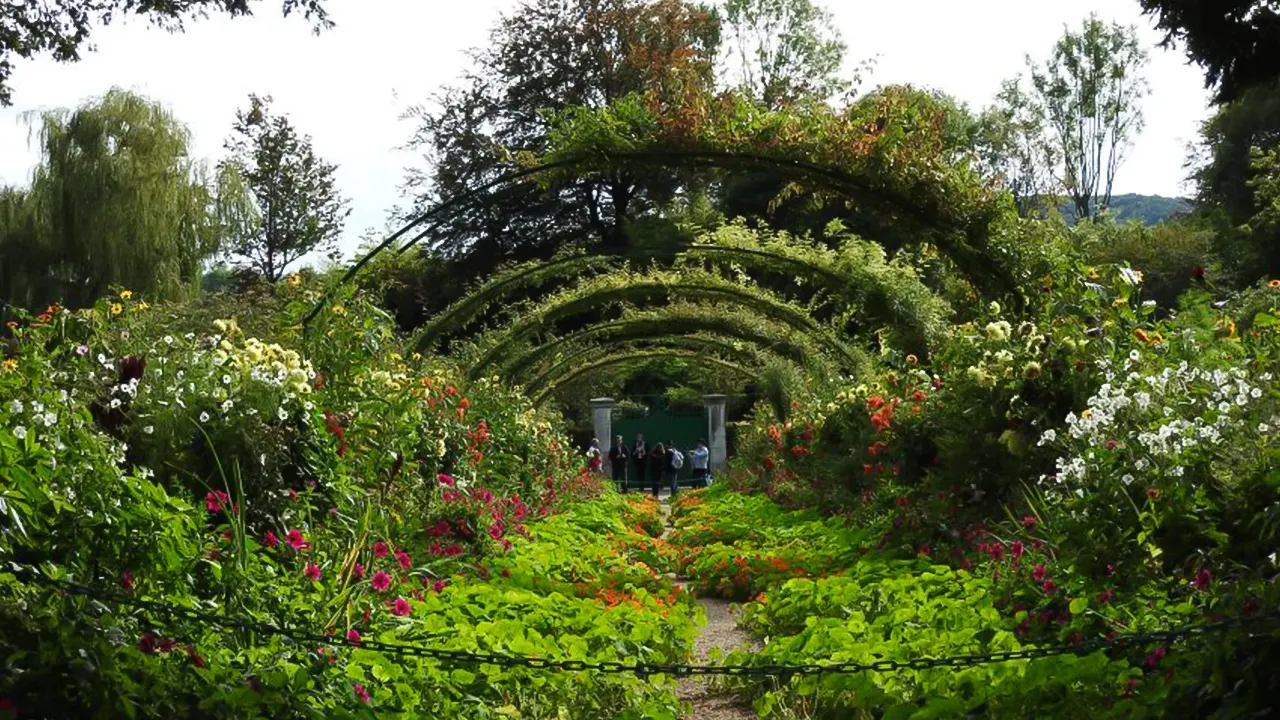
661 426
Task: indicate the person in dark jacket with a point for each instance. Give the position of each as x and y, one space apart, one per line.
657 463
640 456
618 455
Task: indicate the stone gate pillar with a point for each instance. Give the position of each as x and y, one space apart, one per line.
716 441
602 426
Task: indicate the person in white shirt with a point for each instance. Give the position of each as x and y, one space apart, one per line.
699 457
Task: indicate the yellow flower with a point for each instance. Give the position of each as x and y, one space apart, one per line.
339 310
295 279
143 305
116 309
10 365
126 294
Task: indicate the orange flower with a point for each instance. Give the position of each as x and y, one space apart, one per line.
1274 284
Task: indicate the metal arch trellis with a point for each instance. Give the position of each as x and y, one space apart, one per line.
835 179
637 355
101 596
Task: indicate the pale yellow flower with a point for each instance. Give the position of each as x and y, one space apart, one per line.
116 309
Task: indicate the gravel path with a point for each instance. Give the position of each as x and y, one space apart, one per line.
721 631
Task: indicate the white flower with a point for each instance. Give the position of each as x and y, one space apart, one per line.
226 405
15 407
1134 355
1255 393
20 432
1224 406
149 429
226 379
102 358
50 419
1049 436
1148 303
168 339
1264 428
1141 464
1126 479
204 417
37 407
282 414
115 403
1177 471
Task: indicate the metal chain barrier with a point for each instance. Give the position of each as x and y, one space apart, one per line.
1162 637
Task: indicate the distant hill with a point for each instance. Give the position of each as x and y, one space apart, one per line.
1149 209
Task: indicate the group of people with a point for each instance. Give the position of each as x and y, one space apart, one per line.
659 464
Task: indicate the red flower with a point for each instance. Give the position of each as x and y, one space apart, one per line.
768 462
875 402
296 541
126 579
1110 569
363 694
439 585
403 558
1104 597
1048 587
877 447
312 572
901 500
445 479
400 608
1112 444
380 549
270 539
1038 573
381 581
917 396
1028 521
1016 549
925 549
359 571
195 657
1155 657
353 636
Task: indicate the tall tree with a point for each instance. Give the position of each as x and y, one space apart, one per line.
1089 94
299 209
115 200
1237 42
60 28
1010 146
545 56
783 50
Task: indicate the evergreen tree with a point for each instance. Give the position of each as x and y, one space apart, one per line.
299 209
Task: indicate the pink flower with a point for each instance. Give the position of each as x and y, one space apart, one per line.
380 549
359 571
296 541
1156 656
213 500
312 572
506 545
270 539
126 579
439 585
924 549
1038 573
1016 549
1104 597
403 558
363 694
1029 521
444 479
1202 580
400 607
381 581
353 636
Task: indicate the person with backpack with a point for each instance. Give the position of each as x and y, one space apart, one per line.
674 461
699 457
657 461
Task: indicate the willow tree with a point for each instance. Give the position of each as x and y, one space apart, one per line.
115 200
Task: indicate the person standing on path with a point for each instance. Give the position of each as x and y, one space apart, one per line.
618 455
672 461
699 457
594 459
640 456
657 463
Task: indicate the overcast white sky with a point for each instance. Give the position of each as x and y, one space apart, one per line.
348 87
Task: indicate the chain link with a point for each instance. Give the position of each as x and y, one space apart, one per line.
1164 637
